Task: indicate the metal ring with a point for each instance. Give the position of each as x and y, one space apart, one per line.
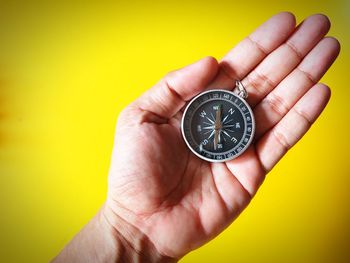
240 90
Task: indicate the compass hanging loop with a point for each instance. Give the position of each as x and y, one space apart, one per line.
240 90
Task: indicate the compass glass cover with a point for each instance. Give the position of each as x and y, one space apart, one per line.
218 125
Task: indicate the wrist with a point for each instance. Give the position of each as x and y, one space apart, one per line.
109 238
131 245
96 242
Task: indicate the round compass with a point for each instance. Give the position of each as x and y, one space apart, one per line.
218 125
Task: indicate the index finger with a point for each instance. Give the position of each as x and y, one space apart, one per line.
248 53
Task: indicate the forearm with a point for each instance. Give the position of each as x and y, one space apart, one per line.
104 241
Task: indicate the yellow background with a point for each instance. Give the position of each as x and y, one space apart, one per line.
66 71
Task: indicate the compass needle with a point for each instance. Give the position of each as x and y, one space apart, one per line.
218 126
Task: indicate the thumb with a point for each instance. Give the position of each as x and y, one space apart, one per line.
170 94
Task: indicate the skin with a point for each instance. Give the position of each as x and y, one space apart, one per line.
162 200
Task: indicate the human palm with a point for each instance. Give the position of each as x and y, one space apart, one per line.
180 201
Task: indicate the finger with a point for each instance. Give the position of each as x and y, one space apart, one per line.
274 68
170 94
277 103
232 192
276 142
253 49
247 170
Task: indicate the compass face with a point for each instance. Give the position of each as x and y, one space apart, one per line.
218 125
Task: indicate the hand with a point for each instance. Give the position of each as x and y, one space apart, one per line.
161 193
180 201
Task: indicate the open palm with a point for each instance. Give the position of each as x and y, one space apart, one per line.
180 201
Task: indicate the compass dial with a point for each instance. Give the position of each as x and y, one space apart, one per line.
218 125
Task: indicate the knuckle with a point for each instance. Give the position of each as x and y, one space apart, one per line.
282 139
260 82
293 48
277 104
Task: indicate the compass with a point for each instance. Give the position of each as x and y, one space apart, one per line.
218 125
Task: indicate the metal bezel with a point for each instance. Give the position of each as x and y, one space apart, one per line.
226 159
